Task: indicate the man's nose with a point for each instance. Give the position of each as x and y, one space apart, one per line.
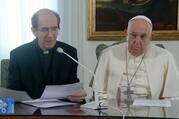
138 40
50 33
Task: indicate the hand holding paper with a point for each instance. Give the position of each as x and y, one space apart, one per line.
49 98
77 97
60 91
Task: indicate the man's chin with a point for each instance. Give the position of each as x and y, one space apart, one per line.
136 54
49 46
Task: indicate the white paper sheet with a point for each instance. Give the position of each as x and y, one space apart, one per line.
156 103
91 105
49 97
48 103
17 95
60 91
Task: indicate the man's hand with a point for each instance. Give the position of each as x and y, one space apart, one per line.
78 97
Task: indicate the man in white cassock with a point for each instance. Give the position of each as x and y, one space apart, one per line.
149 70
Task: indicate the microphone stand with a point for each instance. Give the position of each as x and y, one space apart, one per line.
60 50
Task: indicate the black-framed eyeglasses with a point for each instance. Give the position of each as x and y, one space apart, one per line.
46 30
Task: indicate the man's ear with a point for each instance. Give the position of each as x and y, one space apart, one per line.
34 31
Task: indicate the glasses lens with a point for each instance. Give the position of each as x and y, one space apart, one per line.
47 30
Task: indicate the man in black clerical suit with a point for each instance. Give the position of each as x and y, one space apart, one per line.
38 63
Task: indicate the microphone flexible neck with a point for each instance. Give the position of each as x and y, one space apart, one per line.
78 63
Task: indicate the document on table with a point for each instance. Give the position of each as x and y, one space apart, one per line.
49 98
156 103
52 94
17 95
47 103
60 91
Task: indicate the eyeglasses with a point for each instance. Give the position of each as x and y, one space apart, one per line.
46 30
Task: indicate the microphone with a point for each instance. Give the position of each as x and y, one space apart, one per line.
60 50
99 102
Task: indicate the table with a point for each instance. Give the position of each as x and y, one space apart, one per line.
23 111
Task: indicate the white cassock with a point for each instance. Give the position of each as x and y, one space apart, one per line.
159 66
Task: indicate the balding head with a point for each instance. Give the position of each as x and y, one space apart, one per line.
35 17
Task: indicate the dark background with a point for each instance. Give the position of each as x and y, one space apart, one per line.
114 14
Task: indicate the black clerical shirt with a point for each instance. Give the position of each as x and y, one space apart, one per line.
46 59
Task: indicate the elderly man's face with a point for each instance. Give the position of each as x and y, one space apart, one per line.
47 30
139 36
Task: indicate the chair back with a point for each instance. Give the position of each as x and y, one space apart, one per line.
160 45
101 47
4 72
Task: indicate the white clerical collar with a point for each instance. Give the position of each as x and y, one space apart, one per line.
134 57
46 52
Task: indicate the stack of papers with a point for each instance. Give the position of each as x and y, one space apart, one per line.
47 103
49 98
17 95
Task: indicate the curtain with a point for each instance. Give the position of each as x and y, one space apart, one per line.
73 27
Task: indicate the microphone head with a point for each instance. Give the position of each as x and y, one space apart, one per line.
59 50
